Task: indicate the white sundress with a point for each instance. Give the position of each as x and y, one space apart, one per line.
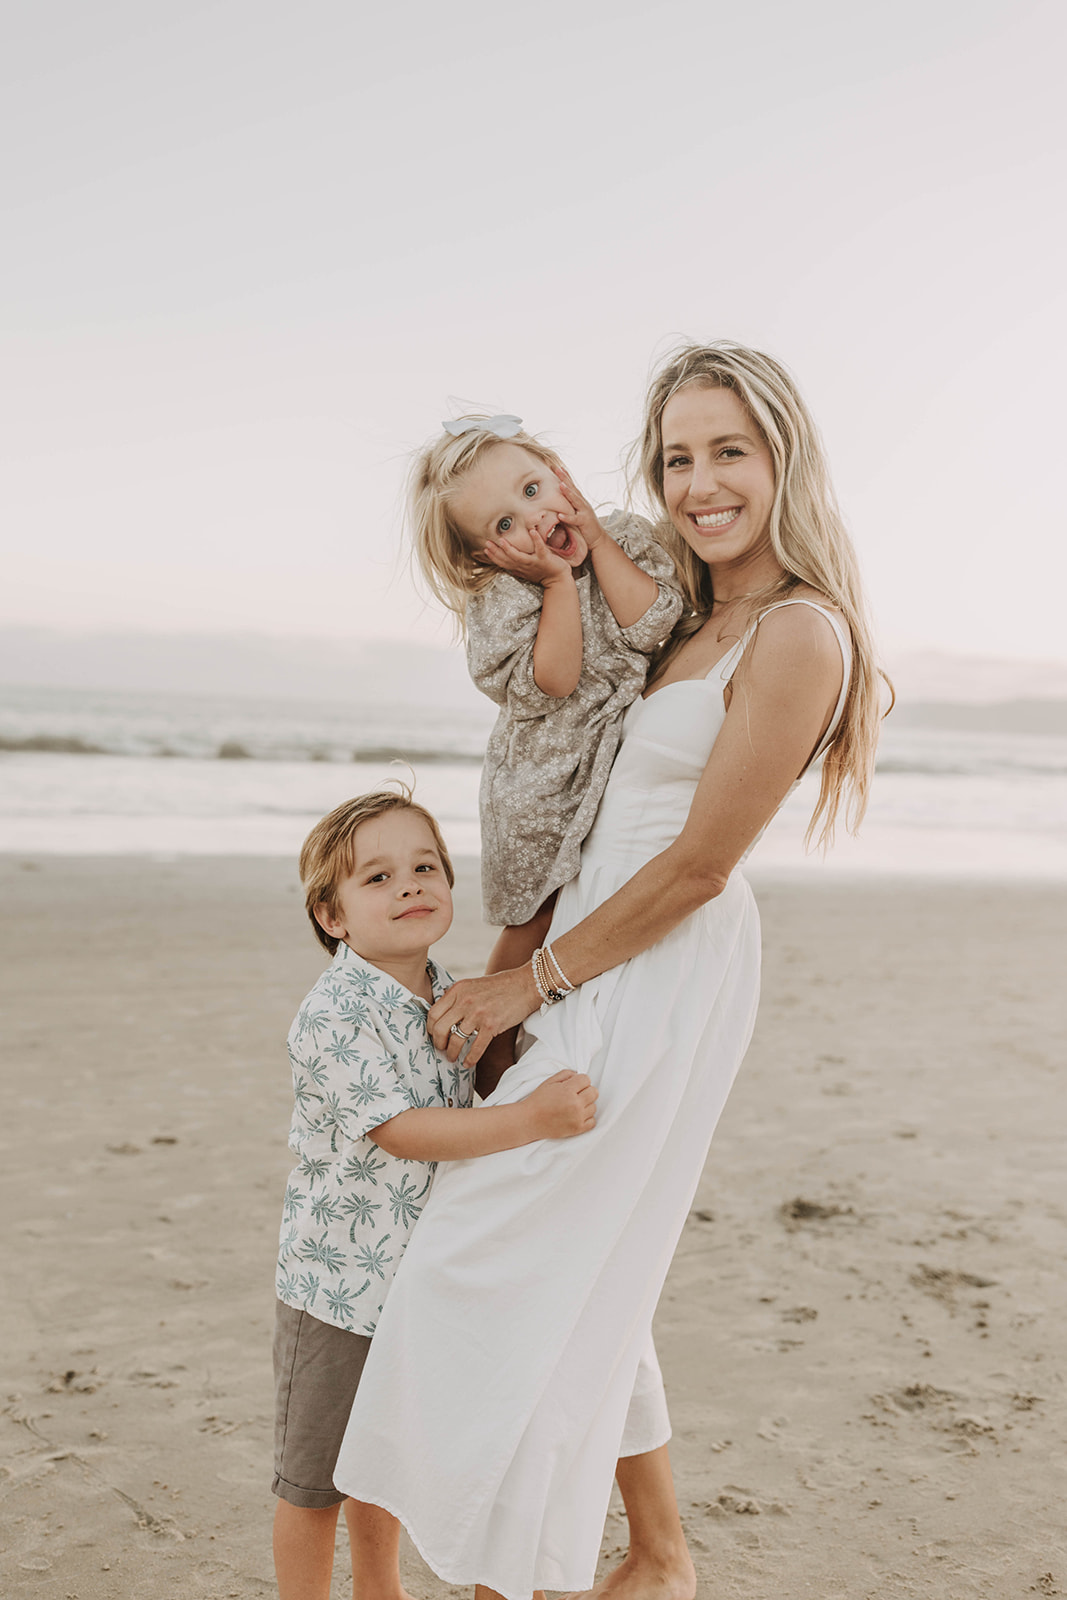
516 1338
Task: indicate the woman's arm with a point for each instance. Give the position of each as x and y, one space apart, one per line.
777 715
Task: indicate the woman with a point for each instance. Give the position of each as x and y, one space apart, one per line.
513 1363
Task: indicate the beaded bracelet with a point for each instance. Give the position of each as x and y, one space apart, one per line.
549 986
564 982
546 999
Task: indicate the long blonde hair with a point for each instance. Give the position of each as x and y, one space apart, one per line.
808 537
443 552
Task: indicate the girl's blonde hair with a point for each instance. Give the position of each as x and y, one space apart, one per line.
807 535
443 552
328 855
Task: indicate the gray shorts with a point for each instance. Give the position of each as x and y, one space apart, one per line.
317 1369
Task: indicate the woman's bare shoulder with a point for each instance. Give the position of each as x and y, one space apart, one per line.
798 639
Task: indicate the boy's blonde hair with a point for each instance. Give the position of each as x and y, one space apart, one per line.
443 552
328 855
807 535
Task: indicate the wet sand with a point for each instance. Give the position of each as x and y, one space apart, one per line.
862 1334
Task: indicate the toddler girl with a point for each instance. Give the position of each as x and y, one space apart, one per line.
560 614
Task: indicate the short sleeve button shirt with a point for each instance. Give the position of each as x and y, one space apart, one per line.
360 1054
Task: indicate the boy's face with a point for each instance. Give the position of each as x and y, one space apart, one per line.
396 903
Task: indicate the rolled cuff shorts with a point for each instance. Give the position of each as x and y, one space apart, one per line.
317 1368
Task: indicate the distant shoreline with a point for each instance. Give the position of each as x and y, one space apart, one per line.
1028 717
376 727
960 788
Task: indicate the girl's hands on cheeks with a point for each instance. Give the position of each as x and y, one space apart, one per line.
485 1006
542 565
583 521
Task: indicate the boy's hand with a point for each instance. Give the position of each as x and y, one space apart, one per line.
541 566
582 520
562 1106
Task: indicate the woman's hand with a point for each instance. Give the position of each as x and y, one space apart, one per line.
482 1008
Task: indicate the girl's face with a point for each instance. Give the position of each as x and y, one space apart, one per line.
718 476
507 494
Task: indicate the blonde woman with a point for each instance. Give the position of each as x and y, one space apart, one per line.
513 1361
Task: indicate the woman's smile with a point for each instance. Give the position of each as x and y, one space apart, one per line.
715 521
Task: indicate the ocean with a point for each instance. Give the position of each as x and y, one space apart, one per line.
101 772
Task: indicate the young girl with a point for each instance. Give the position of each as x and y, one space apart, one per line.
560 614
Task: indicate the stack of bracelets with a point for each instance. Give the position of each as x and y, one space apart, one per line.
552 982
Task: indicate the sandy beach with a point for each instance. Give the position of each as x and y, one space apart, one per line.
862 1334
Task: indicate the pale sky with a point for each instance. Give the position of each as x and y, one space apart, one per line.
254 251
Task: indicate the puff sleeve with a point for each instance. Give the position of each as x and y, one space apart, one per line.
636 536
502 625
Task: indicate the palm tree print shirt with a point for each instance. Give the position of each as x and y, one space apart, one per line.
360 1054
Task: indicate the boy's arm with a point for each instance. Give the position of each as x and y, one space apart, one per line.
559 1108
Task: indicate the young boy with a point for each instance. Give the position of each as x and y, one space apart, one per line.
376 1107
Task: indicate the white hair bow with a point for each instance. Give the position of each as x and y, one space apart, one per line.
504 427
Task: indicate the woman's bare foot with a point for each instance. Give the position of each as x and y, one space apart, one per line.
641 1578
481 1592
658 1566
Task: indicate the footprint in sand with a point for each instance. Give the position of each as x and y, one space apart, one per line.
801 1213
944 1283
938 1408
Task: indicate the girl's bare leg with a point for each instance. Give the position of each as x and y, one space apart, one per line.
516 945
513 948
658 1565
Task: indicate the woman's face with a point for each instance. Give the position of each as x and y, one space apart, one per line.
718 476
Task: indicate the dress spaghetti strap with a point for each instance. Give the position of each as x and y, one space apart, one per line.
844 641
